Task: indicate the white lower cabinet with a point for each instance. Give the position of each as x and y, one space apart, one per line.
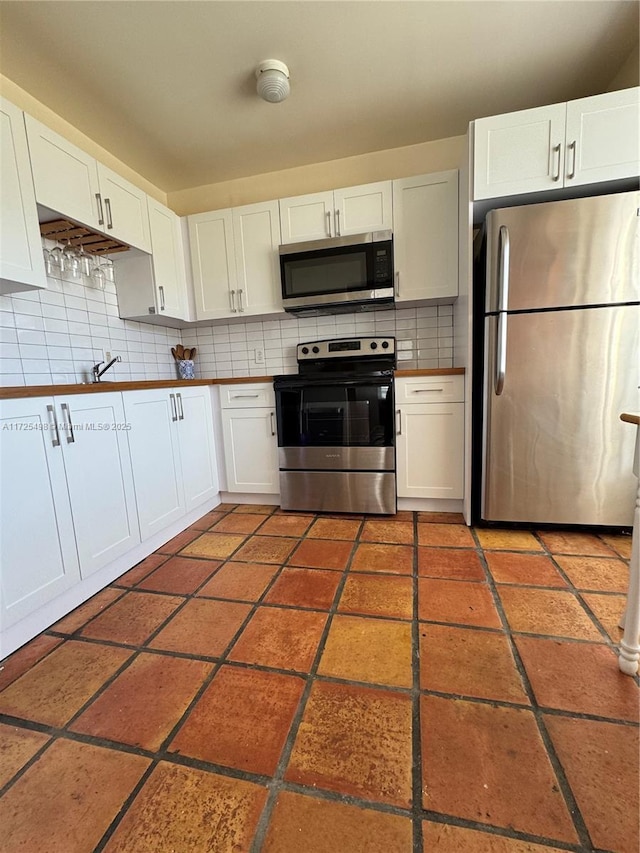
249 438
68 506
430 437
38 556
172 453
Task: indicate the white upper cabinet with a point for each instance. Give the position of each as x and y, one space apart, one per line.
306 217
153 288
580 142
425 212
337 213
213 264
234 258
603 138
361 209
70 182
256 233
124 208
21 260
167 250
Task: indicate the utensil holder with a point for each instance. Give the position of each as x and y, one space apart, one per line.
185 369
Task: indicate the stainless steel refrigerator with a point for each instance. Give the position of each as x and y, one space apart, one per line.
561 361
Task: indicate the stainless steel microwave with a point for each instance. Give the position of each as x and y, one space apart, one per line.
338 274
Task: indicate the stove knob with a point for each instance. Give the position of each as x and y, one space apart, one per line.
374 345
305 350
315 349
385 344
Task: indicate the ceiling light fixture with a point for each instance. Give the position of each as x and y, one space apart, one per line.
273 80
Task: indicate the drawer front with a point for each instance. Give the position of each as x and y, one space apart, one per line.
247 396
430 389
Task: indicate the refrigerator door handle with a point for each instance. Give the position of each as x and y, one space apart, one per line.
501 353
504 253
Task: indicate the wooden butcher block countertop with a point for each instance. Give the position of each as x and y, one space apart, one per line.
21 391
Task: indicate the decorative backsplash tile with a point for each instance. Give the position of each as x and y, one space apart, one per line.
234 349
55 337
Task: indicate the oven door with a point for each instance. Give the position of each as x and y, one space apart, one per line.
335 424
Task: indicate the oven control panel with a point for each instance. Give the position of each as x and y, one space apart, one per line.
346 348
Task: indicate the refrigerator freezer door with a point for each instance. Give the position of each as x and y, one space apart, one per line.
563 253
555 450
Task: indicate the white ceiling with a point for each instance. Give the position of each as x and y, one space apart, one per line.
169 88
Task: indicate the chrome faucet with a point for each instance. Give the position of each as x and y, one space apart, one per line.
97 373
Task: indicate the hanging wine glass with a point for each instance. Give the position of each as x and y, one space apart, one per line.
86 261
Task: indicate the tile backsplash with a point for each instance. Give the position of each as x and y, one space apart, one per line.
55 336
230 350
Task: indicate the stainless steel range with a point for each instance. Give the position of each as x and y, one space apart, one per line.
336 438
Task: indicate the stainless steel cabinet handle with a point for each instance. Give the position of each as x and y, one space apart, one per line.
107 204
161 291
273 428
68 426
240 305
556 150
174 411
425 390
338 222
504 257
572 147
398 283
232 299
100 211
398 421
180 409
243 396
328 223
55 439
501 353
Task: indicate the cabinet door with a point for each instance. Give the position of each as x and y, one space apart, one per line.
125 210
98 466
365 208
519 152
21 262
214 264
155 458
38 558
197 449
426 236
256 232
430 450
307 217
250 450
168 261
64 176
603 143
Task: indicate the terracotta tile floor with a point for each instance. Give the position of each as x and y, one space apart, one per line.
292 683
